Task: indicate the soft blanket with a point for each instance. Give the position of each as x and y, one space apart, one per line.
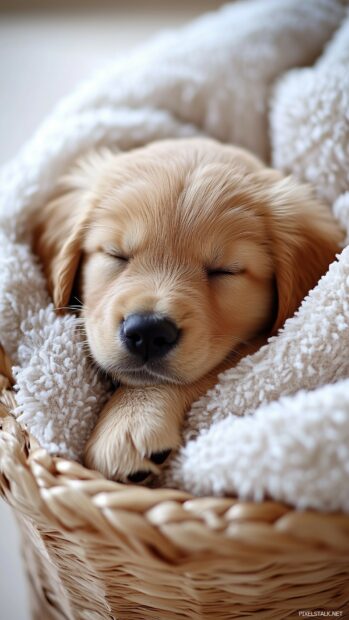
225 75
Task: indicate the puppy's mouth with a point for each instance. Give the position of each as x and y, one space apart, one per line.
148 373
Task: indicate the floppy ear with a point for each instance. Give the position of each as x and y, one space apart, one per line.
57 241
305 239
59 227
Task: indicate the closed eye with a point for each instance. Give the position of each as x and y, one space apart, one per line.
225 271
114 253
125 259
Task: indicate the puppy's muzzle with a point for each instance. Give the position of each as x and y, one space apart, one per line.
148 336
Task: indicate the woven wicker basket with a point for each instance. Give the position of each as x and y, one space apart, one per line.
96 549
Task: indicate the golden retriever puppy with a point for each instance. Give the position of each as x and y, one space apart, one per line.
186 254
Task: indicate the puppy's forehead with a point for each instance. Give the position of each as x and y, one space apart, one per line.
138 205
177 202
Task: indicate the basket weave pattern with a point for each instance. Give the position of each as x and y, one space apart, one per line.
96 549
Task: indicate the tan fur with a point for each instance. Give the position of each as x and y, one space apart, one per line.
176 209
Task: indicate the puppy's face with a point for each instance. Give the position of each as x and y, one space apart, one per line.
182 244
177 271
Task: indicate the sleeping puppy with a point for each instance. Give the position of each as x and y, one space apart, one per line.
187 255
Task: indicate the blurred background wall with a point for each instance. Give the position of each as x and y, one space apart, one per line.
46 47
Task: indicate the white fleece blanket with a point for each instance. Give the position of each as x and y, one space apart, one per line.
219 76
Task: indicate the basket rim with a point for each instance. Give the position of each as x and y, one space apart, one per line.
165 524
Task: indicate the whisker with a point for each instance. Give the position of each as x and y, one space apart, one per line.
70 307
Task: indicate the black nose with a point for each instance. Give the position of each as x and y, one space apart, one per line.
148 335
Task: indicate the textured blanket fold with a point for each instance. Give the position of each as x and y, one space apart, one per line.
221 76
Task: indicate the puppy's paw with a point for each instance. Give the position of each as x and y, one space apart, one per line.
130 443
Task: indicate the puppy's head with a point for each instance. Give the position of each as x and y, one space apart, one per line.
187 250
